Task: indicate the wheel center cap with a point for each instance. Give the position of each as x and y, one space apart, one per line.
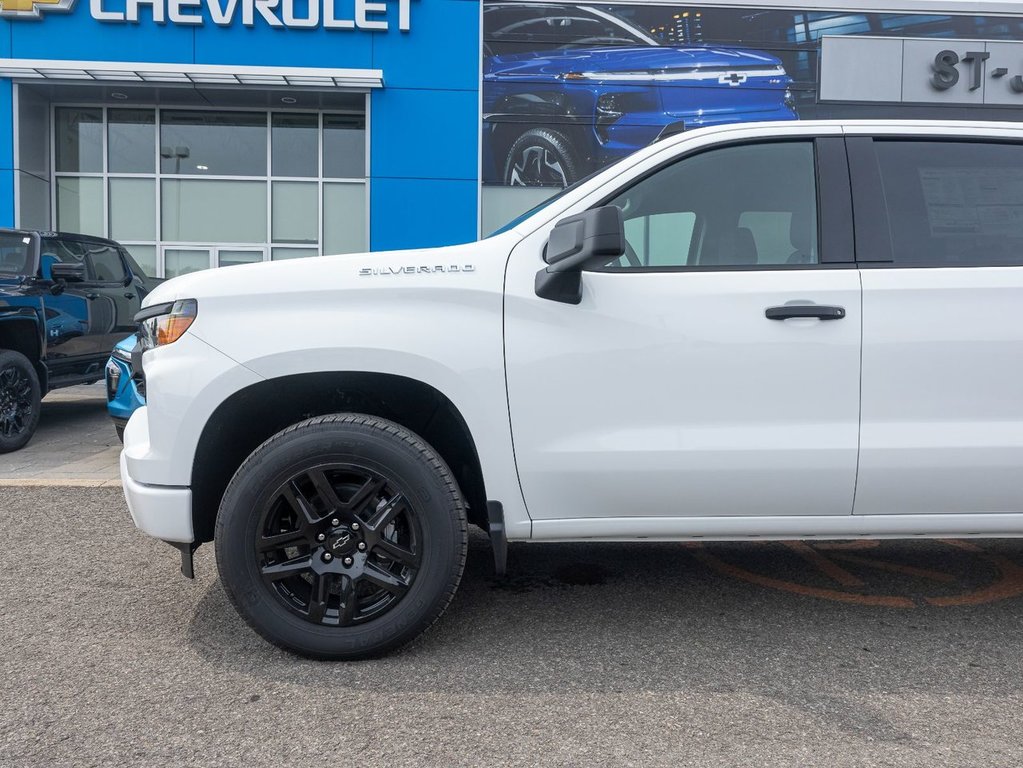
341 542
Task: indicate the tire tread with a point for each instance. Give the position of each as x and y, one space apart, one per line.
434 462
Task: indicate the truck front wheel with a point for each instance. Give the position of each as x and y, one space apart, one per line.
20 398
342 537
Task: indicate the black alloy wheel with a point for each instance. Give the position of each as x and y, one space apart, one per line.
339 544
19 401
342 537
541 158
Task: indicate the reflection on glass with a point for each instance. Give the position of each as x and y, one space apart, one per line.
296 216
181 261
132 140
344 218
295 150
133 209
213 211
79 138
234 258
80 206
145 257
283 254
213 143
344 146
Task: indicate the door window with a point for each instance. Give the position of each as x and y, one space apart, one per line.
104 264
953 204
742 206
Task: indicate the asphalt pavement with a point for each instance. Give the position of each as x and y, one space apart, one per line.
892 653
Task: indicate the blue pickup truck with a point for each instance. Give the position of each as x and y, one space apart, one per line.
569 89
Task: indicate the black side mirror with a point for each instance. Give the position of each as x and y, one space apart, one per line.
68 273
590 239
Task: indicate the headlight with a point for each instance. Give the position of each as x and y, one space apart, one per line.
122 355
163 324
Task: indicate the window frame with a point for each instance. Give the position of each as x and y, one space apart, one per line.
874 245
835 234
363 182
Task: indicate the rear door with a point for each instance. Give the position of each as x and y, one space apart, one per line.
940 243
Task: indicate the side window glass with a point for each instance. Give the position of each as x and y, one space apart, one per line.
953 204
743 206
105 265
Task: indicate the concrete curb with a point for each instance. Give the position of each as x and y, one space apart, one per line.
57 482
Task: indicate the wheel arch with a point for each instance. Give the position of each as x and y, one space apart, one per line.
255 413
20 332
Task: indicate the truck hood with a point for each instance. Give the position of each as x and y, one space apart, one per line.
644 60
264 281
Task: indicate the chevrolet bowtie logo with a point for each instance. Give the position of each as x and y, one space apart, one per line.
32 9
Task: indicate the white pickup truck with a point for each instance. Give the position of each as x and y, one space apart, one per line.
769 331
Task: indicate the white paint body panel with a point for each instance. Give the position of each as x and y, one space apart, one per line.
159 511
762 445
942 428
671 395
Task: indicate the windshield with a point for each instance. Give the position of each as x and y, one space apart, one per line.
16 254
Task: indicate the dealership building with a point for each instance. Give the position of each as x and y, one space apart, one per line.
206 133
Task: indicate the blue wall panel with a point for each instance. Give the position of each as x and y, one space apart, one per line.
424 134
424 122
6 154
6 198
440 52
6 125
263 46
419 213
78 36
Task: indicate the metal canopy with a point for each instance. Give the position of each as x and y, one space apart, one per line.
189 74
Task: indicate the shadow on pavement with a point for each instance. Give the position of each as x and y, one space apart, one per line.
672 617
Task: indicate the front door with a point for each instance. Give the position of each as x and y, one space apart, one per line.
112 294
75 324
668 392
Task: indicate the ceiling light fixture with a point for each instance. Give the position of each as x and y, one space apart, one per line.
202 167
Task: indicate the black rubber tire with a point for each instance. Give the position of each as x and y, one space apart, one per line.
550 141
9 359
388 448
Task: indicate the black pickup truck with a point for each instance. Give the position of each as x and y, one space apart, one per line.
65 301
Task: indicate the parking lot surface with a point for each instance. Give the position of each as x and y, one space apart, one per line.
75 443
892 653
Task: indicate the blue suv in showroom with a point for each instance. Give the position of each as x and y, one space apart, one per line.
568 89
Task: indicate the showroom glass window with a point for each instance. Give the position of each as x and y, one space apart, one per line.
189 189
744 206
